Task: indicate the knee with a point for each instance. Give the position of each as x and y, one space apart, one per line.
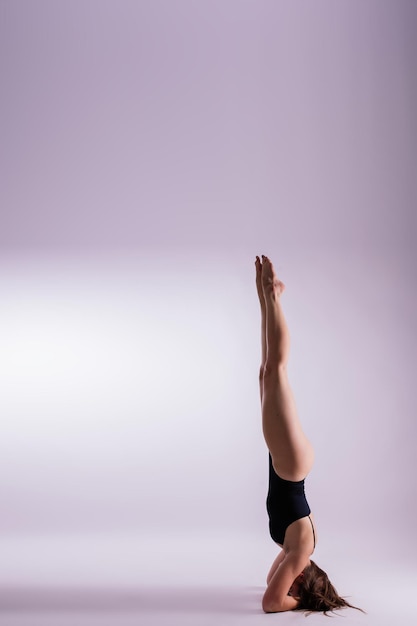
274 369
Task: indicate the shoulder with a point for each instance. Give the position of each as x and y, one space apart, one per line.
276 596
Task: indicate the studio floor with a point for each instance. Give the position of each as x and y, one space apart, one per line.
183 579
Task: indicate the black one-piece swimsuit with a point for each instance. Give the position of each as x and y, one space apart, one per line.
286 502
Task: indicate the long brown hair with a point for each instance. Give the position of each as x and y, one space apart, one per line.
316 592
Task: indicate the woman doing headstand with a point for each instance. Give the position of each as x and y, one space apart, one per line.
294 580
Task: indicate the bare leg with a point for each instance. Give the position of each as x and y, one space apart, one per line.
263 322
292 453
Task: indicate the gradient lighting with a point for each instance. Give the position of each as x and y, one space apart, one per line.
103 374
149 150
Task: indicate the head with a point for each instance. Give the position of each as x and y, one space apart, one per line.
315 591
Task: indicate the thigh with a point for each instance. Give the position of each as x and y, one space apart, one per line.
292 453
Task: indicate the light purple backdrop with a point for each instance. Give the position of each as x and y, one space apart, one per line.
148 151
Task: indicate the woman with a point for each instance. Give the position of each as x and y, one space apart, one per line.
294 580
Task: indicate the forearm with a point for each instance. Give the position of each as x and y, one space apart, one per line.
287 604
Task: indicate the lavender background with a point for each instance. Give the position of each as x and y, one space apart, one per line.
149 150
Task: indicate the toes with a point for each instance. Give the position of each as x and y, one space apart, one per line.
258 266
266 260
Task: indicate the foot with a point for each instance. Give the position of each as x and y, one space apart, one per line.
269 280
259 289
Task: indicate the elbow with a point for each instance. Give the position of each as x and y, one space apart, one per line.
271 605
268 606
266 603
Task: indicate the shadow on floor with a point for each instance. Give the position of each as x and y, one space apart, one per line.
245 600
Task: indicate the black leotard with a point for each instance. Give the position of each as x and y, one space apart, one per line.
285 503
